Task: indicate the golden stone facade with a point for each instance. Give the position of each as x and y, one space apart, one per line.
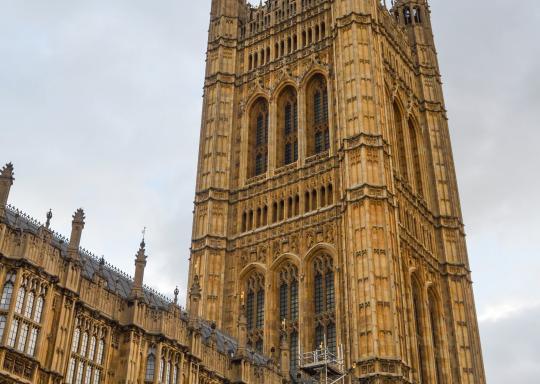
327 208
67 316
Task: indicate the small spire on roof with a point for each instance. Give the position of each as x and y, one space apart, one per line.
49 217
6 181
176 292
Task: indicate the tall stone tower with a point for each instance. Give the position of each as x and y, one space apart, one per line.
327 209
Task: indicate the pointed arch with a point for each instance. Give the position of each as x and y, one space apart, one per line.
419 325
437 332
258 137
414 136
287 125
317 128
400 142
254 295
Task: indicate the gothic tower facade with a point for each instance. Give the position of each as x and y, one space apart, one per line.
327 209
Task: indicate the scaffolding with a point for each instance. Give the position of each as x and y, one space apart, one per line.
322 366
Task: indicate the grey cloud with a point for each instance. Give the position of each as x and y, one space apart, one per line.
100 107
511 348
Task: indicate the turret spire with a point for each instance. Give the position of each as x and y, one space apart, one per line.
6 181
77 226
140 264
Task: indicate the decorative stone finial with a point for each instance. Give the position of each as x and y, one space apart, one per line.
78 216
7 171
49 217
6 181
176 292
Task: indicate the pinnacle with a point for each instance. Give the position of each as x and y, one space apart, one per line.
7 171
78 216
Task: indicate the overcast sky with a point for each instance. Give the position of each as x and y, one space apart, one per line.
100 108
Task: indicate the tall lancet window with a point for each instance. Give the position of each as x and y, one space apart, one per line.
287 126
419 330
324 303
7 291
400 151
318 134
414 136
255 310
437 335
258 138
288 310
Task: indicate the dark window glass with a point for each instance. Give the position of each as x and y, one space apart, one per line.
249 310
294 300
260 309
329 285
319 303
283 301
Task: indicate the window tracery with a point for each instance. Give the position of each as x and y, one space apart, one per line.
87 352
255 310
258 141
287 126
324 302
26 324
318 135
288 310
415 147
400 143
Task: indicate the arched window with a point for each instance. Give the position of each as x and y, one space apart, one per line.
84 344
314 203
407 15
419 328
318 135
29 305
92 350
255 310
258 141
288 310
330 194
287 127
324 302
293 352
20 300
150 365
288 293
400 143
415 146
3 320
7 291
39 309
306 202
101 351
436 334
417 15
75 342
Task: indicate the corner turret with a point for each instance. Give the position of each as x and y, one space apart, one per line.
77 226
140 264
6 181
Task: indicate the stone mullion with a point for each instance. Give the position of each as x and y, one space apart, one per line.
302 126
272 136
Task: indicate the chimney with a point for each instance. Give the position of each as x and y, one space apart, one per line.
6 181
140 264
77 226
